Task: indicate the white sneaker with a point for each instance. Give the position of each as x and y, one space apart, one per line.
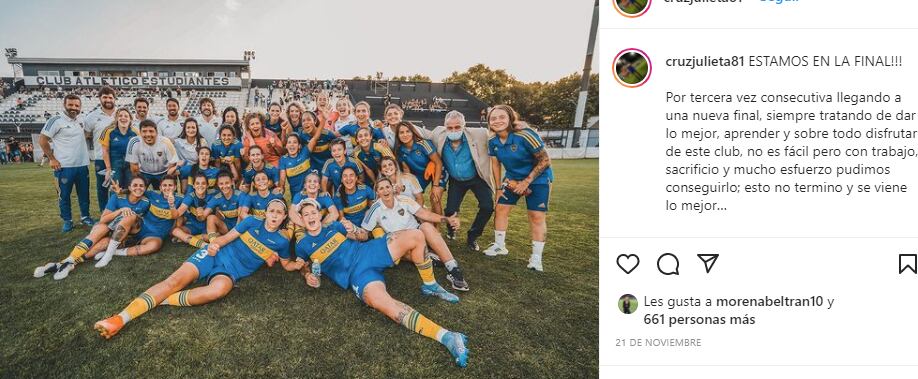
64 270
494 250
106 257
49 268
535 263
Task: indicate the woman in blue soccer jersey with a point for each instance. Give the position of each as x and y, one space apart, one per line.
318 140
189 171
331 172
114 141
419 157
227 152
120 218
225 208
274 121
257 164
359 267
370 153
363 122
352 198
294 165
405 184
165 207
228 259
194 225
257 201
312 190
520 151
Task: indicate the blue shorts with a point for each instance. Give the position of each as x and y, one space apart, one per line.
196 228
209 266
536 201
148 231
372 258
153 180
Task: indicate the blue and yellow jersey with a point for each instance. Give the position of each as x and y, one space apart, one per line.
228 208
296 168
118 201
331 248
249 173
351 130
220 151
324 199
357 204
373 157
276 127
257 204
417 157
332 170
194 203
517 155
116 143
159 218
246 254
322 151
210 173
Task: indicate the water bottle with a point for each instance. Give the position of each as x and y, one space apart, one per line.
317 270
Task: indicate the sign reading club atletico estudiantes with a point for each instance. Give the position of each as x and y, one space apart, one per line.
133 81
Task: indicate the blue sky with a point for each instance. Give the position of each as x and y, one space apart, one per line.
533 40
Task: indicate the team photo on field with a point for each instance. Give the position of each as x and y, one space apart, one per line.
159 224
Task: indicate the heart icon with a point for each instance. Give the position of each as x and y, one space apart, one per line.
628 262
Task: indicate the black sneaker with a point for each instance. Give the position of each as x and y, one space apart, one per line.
434 258
473 246
450 233
456 280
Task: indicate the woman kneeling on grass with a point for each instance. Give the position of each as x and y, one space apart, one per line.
226 260
334 251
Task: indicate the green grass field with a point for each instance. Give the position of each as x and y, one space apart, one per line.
520 323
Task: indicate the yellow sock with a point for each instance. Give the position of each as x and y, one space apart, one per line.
423 326
196 241
211 236
79 250
426 270
178 299
139 306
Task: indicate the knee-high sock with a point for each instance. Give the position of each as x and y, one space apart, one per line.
196 241
139 306
178 299
425 269
416 322
80 249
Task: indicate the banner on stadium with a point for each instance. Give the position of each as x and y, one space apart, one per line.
133 81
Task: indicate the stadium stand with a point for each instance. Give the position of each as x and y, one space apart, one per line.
453 97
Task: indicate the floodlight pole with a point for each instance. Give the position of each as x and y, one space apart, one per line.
585 81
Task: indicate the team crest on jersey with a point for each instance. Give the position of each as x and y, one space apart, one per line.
401 212
159 153
513 148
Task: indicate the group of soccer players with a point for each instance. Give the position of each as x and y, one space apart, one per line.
330 194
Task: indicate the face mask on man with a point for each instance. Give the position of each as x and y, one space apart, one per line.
454 136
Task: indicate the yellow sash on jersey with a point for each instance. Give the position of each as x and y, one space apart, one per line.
298 169
257 247
258 212
230 213
327 248
356 208
163 213
321 148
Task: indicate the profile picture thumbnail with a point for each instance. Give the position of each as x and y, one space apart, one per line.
632 8
632 68
628 304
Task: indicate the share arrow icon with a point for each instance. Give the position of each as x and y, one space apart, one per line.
708 260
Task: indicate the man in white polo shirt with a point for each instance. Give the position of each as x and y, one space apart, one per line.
171 125
69 159
141 109
151 155
94 123
208 122
393 212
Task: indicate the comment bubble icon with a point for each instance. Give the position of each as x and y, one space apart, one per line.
668 264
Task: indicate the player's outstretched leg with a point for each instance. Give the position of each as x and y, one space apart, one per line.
411 243
375 295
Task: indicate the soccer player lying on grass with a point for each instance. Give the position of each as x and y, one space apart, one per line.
225 261
334 250
120 217
225 208
396 212
192 230
156 224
